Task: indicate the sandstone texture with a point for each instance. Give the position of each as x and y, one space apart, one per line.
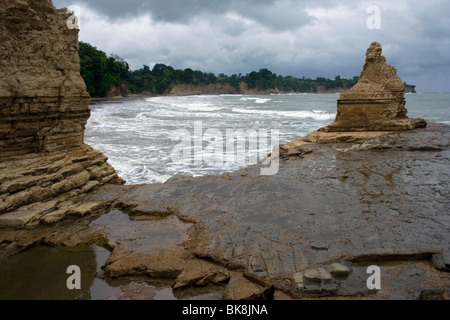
376 102
44 108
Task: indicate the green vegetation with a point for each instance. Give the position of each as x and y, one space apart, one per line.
101 72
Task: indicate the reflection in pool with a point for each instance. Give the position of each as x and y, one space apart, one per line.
40 274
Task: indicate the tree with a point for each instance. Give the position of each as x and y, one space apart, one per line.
188 75
100 72
158 69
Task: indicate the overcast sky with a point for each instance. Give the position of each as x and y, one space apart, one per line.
289 37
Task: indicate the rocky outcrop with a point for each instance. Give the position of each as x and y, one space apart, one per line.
376 102
119 91
42 95
409 88
44 108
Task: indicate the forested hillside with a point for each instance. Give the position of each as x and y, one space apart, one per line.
100 72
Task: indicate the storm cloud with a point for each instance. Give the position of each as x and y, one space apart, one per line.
298 38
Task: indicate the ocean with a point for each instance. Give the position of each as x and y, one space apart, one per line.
149 140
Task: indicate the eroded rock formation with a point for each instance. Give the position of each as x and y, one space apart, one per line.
44 108
376 102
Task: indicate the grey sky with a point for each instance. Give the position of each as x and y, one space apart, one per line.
299 38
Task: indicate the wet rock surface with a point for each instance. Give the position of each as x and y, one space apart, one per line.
311 231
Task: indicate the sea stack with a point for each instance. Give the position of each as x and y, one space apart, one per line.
376 102
44 107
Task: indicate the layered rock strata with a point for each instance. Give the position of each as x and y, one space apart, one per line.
44 108
376 102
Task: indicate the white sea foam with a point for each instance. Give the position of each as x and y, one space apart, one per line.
256 100
195 103
144 115
304 114
203 107
134 174
137 135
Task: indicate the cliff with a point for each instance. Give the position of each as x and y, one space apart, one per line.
119 91
44 108
185 89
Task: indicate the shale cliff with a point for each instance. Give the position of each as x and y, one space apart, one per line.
185 89
44 108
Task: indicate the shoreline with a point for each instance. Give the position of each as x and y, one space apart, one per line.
119 99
